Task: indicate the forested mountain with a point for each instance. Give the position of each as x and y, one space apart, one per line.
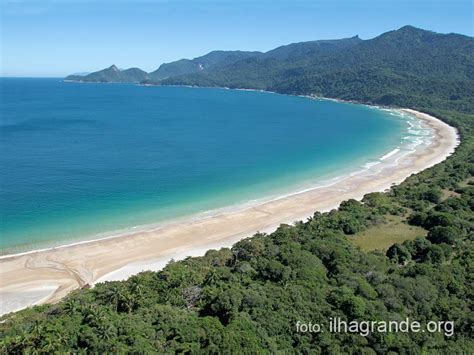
212 60
392 67
112 74
259 71
249 298
204 63
311 48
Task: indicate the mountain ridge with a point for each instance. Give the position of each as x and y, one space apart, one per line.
112 74
208 61
212 59
385 69
391 67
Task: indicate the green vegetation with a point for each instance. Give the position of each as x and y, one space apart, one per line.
247 299
210 61
112 75
407 67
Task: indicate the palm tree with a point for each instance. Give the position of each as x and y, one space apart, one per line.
25 339
95 316
36 330
51 344
136 288
71 306
212 277
128 301
106 331
114 294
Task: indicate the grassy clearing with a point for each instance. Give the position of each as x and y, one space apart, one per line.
466 182
448 193
381 237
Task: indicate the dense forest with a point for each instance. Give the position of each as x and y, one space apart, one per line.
205 63
249 298
406 67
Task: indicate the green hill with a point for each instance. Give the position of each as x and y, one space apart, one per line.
393 67
112 74
204 63
309 49
261 70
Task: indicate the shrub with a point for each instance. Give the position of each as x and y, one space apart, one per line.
398 253
440 234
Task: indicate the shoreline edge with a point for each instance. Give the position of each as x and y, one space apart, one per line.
73 266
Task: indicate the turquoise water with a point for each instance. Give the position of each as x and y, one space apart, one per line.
81 159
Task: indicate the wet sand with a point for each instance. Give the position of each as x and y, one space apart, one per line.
48 275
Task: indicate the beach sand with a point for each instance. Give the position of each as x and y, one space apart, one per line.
48 275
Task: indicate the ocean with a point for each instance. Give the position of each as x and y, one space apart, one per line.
79 161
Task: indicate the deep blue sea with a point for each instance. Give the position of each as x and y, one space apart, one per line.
82 159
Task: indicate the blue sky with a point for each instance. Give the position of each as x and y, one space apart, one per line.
59 37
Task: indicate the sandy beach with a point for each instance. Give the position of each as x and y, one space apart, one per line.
48 275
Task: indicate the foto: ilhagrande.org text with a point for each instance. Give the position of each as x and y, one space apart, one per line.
364 328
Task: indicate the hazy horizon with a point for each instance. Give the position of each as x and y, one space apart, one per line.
60 37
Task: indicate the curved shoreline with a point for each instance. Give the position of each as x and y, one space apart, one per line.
297 188
75 265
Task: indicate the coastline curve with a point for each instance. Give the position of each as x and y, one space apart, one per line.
73 266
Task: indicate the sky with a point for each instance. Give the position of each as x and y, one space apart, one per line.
54 38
